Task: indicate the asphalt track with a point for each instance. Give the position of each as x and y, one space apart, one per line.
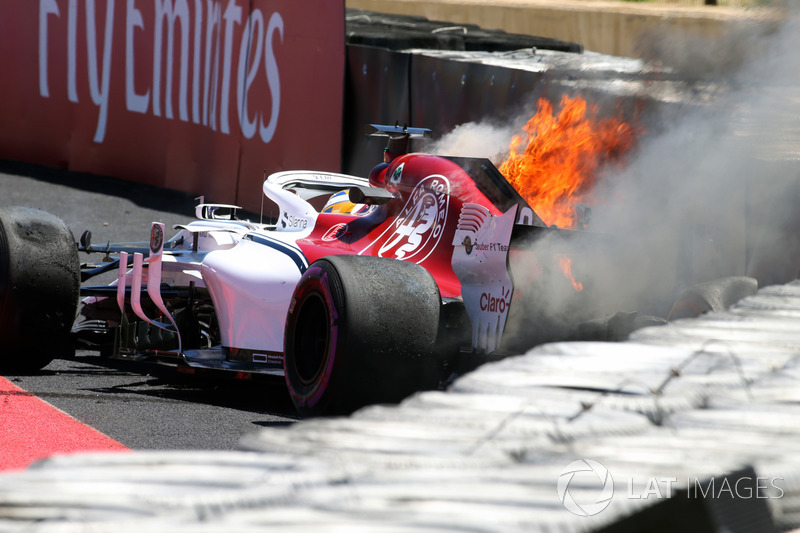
137 406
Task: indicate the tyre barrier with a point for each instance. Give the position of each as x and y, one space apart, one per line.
772 435
187 486
709 401
680 462
657 381
465 502
783 300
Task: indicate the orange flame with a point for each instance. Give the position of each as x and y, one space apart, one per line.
554 164
566 266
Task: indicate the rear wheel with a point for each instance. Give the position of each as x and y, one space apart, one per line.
360 330
39 288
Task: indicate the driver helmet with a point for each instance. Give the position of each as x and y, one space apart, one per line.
339 203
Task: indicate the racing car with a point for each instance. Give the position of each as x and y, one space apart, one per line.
363 290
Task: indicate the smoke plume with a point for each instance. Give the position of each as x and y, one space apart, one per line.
476 139
710 190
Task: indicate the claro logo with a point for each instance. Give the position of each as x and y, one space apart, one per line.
200 35
495 304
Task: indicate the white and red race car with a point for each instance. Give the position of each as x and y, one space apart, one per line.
354 300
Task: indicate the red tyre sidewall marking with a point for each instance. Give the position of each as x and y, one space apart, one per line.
334 316
32 429
316 279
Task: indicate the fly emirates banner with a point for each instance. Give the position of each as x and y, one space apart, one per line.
203 96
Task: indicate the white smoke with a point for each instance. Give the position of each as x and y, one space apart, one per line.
685 208
475 139
693 182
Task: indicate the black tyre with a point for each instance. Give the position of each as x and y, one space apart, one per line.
360 330
39 288
716 295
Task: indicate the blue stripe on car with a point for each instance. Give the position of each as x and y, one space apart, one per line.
295 254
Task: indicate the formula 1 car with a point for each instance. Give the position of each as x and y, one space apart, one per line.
363 290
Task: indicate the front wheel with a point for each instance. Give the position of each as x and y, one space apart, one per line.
360 330
39 288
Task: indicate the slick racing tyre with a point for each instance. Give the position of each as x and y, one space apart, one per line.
360 330
39 288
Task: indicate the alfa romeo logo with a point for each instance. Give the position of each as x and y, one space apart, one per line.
419 226
397 175
605 486
336 232
156 238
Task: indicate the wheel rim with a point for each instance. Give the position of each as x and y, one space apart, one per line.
311 339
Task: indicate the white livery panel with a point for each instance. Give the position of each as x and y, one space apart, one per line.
251 286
